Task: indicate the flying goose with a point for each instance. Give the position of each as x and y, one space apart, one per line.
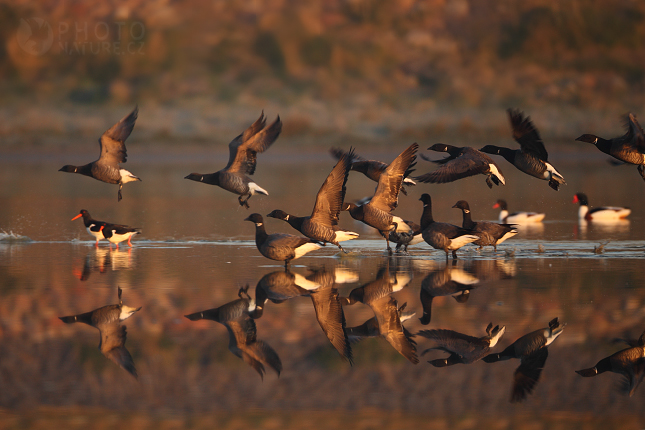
629 148
441 235
461 163
376 213
372 168
629 362
532 351
322 224
242 160
532 157
107 320
602 213
516 217
490 233
113 152
279 246
242 332
462 348
93 226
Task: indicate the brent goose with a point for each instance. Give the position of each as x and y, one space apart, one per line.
93 226
532 157
603 213
280 286
490 233
280 246
117 233
113 152
532 350
629 148
107 320
377 295
242 159
441 235
370 327
404 237
322 224
462 348
372 168
242 332
629 362
376 213
449 281
516 217
461 163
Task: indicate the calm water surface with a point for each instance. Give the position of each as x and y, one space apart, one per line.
196 252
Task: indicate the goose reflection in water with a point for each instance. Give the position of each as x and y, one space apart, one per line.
100 259
449 281
377 295
280 286
629 362
107 320
462 348
532 351
242 332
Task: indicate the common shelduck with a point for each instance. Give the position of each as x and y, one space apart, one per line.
516 217
602 213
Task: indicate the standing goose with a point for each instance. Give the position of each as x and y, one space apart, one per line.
490 233
107 320
279 246
441 235
629 148
242 333
462 163
516 217
376 213
322 224
117 233
280 286
602 213
113 152
372 168
377 295
532 350
532 157
242 159
445 282
463 349
93 226
629 362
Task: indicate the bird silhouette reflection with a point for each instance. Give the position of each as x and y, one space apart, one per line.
100 259
280 286
107 320
449 281
378 296
242 332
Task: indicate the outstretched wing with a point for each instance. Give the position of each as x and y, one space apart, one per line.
527 374
525 133
634 135
386 196
452 169
244 148
331 195
112 346
112 142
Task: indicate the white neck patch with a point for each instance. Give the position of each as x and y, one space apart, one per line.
287 218
258 224
466 211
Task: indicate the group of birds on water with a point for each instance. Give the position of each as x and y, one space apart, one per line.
322 227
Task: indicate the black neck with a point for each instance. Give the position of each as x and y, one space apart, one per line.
260 234
604 145
468 221
426 216
603 365
295 221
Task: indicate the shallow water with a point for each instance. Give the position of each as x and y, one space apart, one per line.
196 252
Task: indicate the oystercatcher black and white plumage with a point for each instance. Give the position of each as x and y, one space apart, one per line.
532 157
490 233
113 152
532 351
242 160
117 233
462 163
377 213
322 224
629 148
602 213
107 320
93 226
